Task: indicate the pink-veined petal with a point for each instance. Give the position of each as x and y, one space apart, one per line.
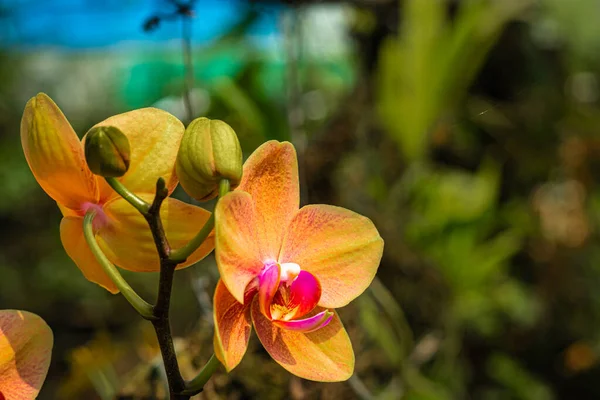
25 352
154 137
71 236
271 177
341 248
297 299
55 155
324 355
232 327
268 283
305 325
238 248
127 241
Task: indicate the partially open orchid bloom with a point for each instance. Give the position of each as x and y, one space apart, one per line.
25 351
284 270
56 157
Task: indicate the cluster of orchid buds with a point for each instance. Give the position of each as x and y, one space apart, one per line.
283 269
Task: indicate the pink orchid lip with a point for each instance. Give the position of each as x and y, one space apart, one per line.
268 284
285 291
305 292
306 325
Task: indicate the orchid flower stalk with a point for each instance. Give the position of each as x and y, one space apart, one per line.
284 269
127 218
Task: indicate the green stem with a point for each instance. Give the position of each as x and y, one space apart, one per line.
143 308
180 255
224 187
196 385
131 198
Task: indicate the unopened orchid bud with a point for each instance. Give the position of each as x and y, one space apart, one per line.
107 151
209 151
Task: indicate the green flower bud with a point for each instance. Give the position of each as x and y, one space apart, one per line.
107 151
209 151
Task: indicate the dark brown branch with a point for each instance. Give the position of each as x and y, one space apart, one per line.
154 221
161 322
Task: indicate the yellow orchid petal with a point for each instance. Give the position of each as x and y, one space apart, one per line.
239 253
127 241
55 155
271 177
154 136
323 355
71 235
25 351
232 327
341 248
67 212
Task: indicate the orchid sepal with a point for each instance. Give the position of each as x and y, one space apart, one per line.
323 355
26 343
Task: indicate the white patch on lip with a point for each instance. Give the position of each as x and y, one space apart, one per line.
289 271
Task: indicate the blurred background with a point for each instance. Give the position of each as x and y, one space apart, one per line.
467 130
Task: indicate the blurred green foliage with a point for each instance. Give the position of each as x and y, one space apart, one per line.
427 68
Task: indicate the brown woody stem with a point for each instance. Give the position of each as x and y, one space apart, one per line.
178 389
161 323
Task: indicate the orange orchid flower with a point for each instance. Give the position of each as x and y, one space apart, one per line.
25 351
56 158
284 269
